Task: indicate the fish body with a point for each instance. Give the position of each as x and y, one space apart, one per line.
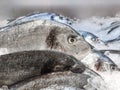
105 62
16 67
44 35
89 37
60 81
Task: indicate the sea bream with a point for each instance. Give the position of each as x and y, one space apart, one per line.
44 35
18 66
21 66
57 18
61 81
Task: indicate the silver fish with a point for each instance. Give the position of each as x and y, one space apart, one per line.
44 35
22 68
55 81
104 62
91 38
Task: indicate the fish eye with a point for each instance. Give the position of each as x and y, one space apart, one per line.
72 39
112 67
93 39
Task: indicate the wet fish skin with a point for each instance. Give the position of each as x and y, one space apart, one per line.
48 36
53 17
19 66
60 80
57 79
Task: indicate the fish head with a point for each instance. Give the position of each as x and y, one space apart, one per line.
106 66
91 38
68 41
94 40
69 63
104 63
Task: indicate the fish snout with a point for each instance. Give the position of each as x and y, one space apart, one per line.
78 68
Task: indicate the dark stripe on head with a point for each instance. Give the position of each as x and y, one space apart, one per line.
51 39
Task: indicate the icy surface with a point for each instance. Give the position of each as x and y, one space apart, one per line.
96 26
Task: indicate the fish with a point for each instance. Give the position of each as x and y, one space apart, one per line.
89 37
101 62
44 35
40 69
19 66
58 81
